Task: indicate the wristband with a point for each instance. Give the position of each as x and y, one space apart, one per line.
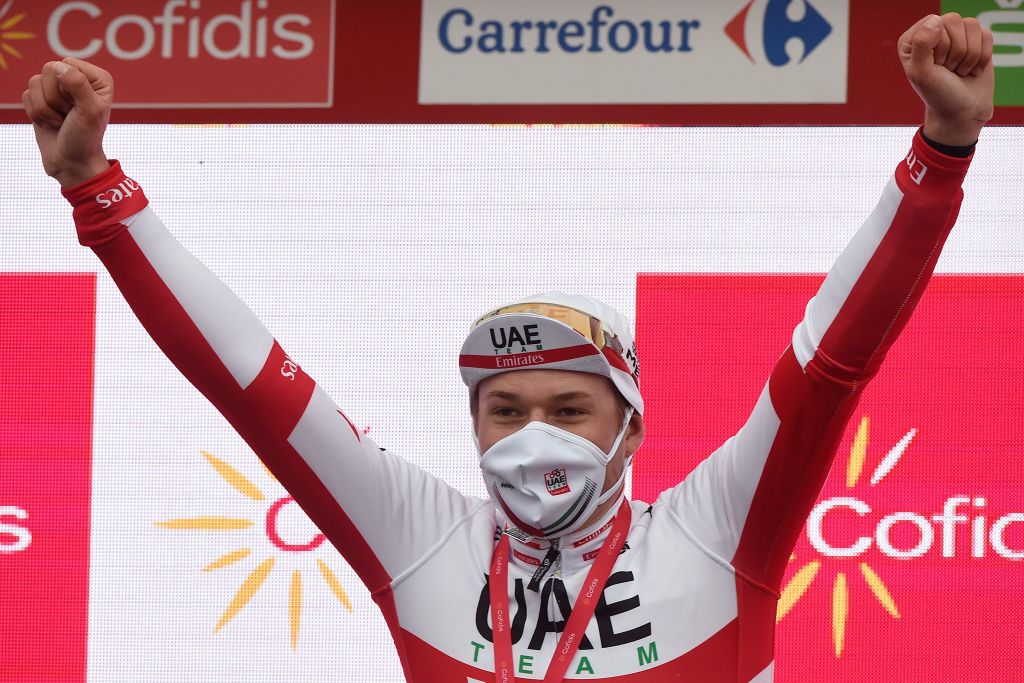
950 150
931 171
102 203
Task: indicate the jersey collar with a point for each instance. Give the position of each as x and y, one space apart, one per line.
576 551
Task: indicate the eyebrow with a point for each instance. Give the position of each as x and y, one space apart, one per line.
573 396
502 394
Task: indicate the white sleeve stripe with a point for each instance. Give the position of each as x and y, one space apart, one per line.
765 676
745 457
823 308
234 333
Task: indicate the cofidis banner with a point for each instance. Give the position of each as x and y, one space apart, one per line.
919 530
215 54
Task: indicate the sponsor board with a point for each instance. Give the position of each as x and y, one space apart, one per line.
393 68
46 392
655 51
178 53
922 516
1005 18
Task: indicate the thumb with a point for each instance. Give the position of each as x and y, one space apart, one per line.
78 89
924 41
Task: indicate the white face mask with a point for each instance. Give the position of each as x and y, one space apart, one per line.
547 480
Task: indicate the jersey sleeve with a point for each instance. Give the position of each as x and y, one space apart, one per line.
381 512
748 501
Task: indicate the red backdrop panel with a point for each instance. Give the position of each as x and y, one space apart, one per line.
46 382
914 568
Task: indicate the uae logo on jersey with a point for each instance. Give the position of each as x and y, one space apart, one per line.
557 482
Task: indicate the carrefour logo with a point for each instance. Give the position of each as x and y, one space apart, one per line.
771 28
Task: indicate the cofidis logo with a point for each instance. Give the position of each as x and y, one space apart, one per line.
277 534
179 53
577 51
11 34
844 529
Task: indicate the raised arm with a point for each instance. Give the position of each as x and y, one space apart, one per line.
382 513
748 501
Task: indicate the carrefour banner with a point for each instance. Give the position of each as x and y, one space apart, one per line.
654 62
658 51
142 540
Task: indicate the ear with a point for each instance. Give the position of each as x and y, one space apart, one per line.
635 433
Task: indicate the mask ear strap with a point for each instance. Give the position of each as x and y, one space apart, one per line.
604 497
614 488
622 434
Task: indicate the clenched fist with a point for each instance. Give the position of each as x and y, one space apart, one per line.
69 106
948 61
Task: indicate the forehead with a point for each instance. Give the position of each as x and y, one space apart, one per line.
538 385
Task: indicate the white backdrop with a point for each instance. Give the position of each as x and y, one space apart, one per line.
367 251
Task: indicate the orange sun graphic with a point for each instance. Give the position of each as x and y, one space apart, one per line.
7 34
257 576
804 576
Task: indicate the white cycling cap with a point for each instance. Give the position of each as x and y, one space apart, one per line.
554 331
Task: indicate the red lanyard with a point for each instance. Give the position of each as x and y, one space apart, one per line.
582 611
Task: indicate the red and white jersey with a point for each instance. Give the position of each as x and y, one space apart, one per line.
693 594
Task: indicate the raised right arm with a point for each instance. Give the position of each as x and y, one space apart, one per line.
382 513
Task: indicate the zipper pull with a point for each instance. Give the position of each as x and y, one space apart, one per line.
549 559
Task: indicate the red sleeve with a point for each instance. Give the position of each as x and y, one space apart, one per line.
749 500
382 513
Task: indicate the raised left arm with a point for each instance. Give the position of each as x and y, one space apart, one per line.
748 501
